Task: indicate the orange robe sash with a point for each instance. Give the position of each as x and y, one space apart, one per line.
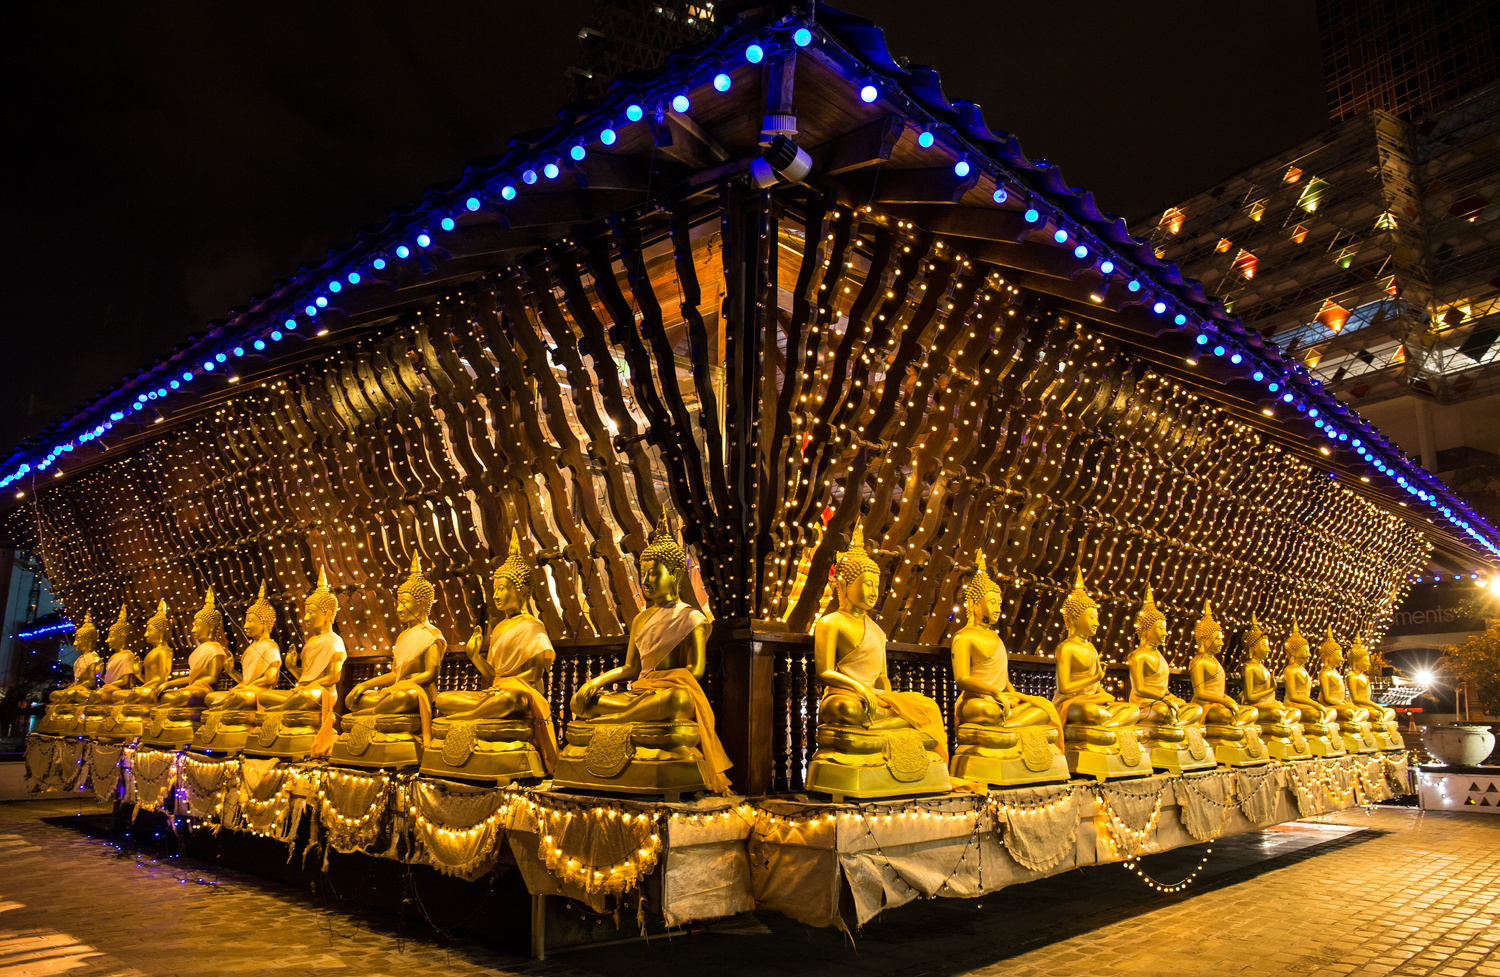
708 737
541 717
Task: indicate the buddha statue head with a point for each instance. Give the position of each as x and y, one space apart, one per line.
320 606
119 632
513 579
415 595
1359 655
1257 647
260 617
663 564
857 577
1150 623
1208 635
982 596
1331 654
1080 613
158 624
1297 651
86 636
208 623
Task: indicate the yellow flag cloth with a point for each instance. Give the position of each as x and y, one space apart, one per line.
920 712
708 741
541 717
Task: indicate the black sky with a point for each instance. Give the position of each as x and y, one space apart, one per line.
168 160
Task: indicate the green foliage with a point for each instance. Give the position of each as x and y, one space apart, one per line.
1477 662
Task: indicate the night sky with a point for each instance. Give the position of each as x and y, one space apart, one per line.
168 160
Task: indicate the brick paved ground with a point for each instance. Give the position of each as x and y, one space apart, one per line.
1395 892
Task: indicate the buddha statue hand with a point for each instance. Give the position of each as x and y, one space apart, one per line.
475 644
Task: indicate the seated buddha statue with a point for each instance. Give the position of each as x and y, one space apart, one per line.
1351 719
872 740
229 716
390 716
120 672
1169 726
1322 736
1230 726
179 701
131 700
503 731
1098 729
659 736
1382 719
65 706
1004 738
1278 723
297 723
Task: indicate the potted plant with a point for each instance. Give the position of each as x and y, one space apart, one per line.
1474 667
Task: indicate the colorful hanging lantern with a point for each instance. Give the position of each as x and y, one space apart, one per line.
1332 316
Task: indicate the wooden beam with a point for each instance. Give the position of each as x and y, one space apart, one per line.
869 144
884 186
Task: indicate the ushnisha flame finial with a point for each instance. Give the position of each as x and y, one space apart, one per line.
262 609
1253 634
1207 627
663 548
854 562
208 614
418 586
1149 616
980 583
515 568
1078 600
322 596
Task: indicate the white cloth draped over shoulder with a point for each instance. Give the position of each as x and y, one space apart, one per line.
83 666
413 641
319 656
512 647
866 662
663 631
202 655
121 664
989 670
258 658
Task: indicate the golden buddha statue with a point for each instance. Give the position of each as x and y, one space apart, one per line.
1171 728
390 716
1278 723
130 700
230 715
1315 718
297 723
179 701
64 706
1230 726
1382 719
1098 730
120 672
503 731
658 737
1351 719
1004 738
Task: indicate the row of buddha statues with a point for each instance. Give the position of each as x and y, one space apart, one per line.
647 728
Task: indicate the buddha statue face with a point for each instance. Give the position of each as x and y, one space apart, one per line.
1212 643
1332 654
985 611
117 639
1154 634
1359 659
255 628
658 581
862 591
84 642
316 617
1297 651
408 608
509 598
203 629
156 631
1258 650
1083 623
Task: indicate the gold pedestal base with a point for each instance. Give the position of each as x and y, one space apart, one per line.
1358 738
1323 740
1007 771
1385 740
57 720
378 742
169 727
1105 753
1238 746
1175 749
1174 759
667 779
223 731
117 726
658 759
283 735
841 780
491 752
1284 741
858 762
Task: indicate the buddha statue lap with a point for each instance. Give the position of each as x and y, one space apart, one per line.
1382 719
1278 723
1171 728
659 737
230 715
1004 738
502 732
872 741
179 702
297 723
64 715
1230 726
127 700
1317 720
1099 734
389 721
1351 719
